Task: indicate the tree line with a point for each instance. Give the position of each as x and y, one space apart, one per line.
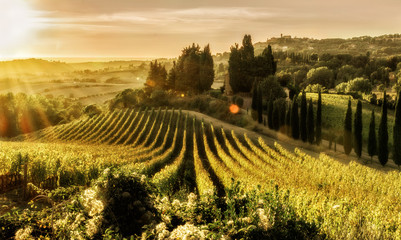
192 72
376 145
21 113
288 118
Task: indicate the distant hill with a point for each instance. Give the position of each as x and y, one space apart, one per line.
381 46
32 66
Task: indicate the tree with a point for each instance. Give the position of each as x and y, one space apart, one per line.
244 67
270 113
358 129
319 119
276 115
288 120
157 75
194 69
255 96
172 77
303 127
382 152
240 66
372 143
206 75
234 69
348 129
271 88
260 104
264 64
310 123
282 116
294 119
397 131
320 75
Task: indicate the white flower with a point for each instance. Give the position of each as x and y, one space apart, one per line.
24 233
336 206
92 226
188 231
191 200
263 219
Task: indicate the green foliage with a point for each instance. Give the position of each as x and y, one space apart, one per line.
157 75
397 132
92 110
320 75
194 70
288 121
239 101
244 66
315 88
172 77
346 73
270 116
355 85
310 123
382 152
347 139
303 124
21 113
372 143
127 99
260 104
18 161
276 115
283 109
284 78
358 129
255 95
272 89
319 119
294 119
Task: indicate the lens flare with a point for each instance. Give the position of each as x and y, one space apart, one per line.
234 109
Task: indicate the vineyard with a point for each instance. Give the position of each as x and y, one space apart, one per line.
178 152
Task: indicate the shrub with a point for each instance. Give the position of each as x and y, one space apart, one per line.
359 85
239 101
314 88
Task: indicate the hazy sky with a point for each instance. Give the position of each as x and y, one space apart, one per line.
150 28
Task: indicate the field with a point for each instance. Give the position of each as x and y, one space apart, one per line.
179 154
334 108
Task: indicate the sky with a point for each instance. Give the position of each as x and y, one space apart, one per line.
162 28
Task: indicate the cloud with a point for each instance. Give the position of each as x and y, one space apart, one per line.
133 27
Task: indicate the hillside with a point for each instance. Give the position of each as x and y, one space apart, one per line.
178 153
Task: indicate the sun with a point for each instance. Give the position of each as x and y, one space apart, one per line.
16 25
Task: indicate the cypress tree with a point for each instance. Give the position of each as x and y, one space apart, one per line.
310 123
382 152
319 119
276 116
372 143
348 129
282 117
397 131
255 96
358 129
260 104
294 119
270 113
304 131
288 120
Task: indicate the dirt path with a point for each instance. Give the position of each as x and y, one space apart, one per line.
270 136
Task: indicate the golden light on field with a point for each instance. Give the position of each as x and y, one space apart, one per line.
234 108
16 24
